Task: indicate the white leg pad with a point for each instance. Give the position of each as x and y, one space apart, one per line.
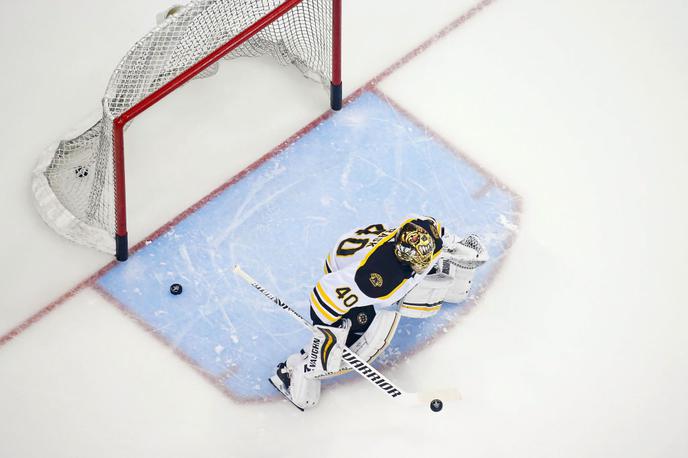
325 352
322 356
375 340
304 391
378 336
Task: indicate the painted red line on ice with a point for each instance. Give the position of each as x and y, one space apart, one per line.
432 40
54 304
21 327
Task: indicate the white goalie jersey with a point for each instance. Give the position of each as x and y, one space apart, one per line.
362 270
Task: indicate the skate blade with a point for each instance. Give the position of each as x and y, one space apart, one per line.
279 387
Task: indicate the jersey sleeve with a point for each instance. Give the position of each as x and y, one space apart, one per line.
334 295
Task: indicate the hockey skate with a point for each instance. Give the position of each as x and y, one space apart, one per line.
281 381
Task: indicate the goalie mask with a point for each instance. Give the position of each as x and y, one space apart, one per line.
415 246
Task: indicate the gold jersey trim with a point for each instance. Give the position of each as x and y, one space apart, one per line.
422 308
322 311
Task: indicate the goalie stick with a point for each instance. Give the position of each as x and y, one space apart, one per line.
362 367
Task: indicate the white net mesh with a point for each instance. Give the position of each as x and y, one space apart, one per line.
74 182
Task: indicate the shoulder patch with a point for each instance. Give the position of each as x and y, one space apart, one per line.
376 279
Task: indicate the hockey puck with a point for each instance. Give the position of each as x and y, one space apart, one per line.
436 405
81 171
176 288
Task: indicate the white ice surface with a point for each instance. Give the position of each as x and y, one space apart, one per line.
579 347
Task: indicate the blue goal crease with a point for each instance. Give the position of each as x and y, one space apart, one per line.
366 164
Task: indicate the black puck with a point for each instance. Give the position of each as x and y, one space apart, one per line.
176 288
436 405
81 171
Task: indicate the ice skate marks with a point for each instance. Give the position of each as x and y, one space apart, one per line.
368 163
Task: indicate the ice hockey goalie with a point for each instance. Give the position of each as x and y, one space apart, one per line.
373 276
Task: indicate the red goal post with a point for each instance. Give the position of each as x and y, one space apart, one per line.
79 184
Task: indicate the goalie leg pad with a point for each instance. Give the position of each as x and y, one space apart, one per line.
378 335
325 354
374 340
303 391
306 367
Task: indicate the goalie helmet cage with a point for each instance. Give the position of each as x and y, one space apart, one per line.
79 183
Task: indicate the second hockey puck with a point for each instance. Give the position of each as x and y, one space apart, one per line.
436 405
176 288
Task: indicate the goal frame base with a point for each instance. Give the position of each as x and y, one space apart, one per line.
336 96
122 247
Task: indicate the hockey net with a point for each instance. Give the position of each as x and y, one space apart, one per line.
79 183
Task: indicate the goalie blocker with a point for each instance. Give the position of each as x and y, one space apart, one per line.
409 270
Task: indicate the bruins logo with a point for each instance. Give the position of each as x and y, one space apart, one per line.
376 279
362 318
